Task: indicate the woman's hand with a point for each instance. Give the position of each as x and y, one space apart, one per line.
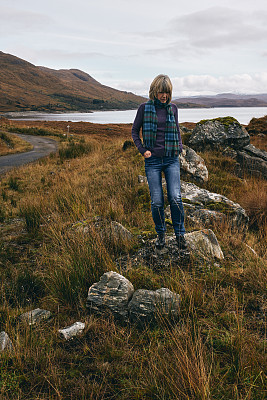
147 154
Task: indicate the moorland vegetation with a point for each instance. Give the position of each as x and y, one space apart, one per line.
214 351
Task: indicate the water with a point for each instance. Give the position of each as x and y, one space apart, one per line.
242 114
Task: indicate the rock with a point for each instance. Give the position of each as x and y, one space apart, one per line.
71 331
35 316
112 293
219 133
147 306
203 216
5 342
142 179
202 206
204 244
203 199
254 152
252 164
192 166
120 232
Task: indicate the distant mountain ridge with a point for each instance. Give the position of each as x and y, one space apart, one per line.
224 100
26 87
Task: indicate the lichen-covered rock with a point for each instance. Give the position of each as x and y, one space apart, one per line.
193 166
202 198
147 306
112 293
71 331
35 316
219 133
5 342
204 243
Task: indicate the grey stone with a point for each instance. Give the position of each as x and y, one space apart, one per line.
193 166
216 134
251 165
72 331
147 306
203 216
204 244
112 293
202 198
35 316
5 342
254 152
120 232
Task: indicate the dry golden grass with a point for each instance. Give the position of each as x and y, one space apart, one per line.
59 246
10 144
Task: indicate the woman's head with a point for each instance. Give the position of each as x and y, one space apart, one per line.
161 84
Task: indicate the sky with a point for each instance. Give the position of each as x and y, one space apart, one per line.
206 47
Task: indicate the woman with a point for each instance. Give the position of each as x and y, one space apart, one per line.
161 145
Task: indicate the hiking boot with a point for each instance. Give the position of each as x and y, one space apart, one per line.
182 246
160 241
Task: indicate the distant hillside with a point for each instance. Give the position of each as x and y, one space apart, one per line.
26 87
223 100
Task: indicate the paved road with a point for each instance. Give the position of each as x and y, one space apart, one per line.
41 147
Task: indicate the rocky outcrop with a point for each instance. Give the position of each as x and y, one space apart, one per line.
227 135
199 202
192 166
219 133
203 248
147 306
112 293
5 342
35 316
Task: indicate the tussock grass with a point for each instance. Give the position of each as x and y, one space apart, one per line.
10 144
55 241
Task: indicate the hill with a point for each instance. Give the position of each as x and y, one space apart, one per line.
26 87
223 100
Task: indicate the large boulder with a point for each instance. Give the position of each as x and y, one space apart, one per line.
204 244
112 293
219 133
147 306
193 166
199 198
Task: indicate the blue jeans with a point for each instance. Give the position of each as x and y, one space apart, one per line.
154 166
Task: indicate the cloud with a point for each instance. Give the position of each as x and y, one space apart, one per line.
14 21
206 30
193 85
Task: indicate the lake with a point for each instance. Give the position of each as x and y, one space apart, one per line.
242 114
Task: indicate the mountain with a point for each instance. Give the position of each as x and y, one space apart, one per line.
26 87
223 100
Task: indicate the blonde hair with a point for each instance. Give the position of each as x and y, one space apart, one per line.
161 84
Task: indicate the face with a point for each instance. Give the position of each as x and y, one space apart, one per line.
163 97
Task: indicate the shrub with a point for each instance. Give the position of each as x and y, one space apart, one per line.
74 150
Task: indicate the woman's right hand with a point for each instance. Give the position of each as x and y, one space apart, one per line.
147 154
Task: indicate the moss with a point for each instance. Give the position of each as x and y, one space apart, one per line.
226 121
221 207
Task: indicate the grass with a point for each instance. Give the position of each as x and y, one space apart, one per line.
10 144
55 242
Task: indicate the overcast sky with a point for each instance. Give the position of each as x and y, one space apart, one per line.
206 47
